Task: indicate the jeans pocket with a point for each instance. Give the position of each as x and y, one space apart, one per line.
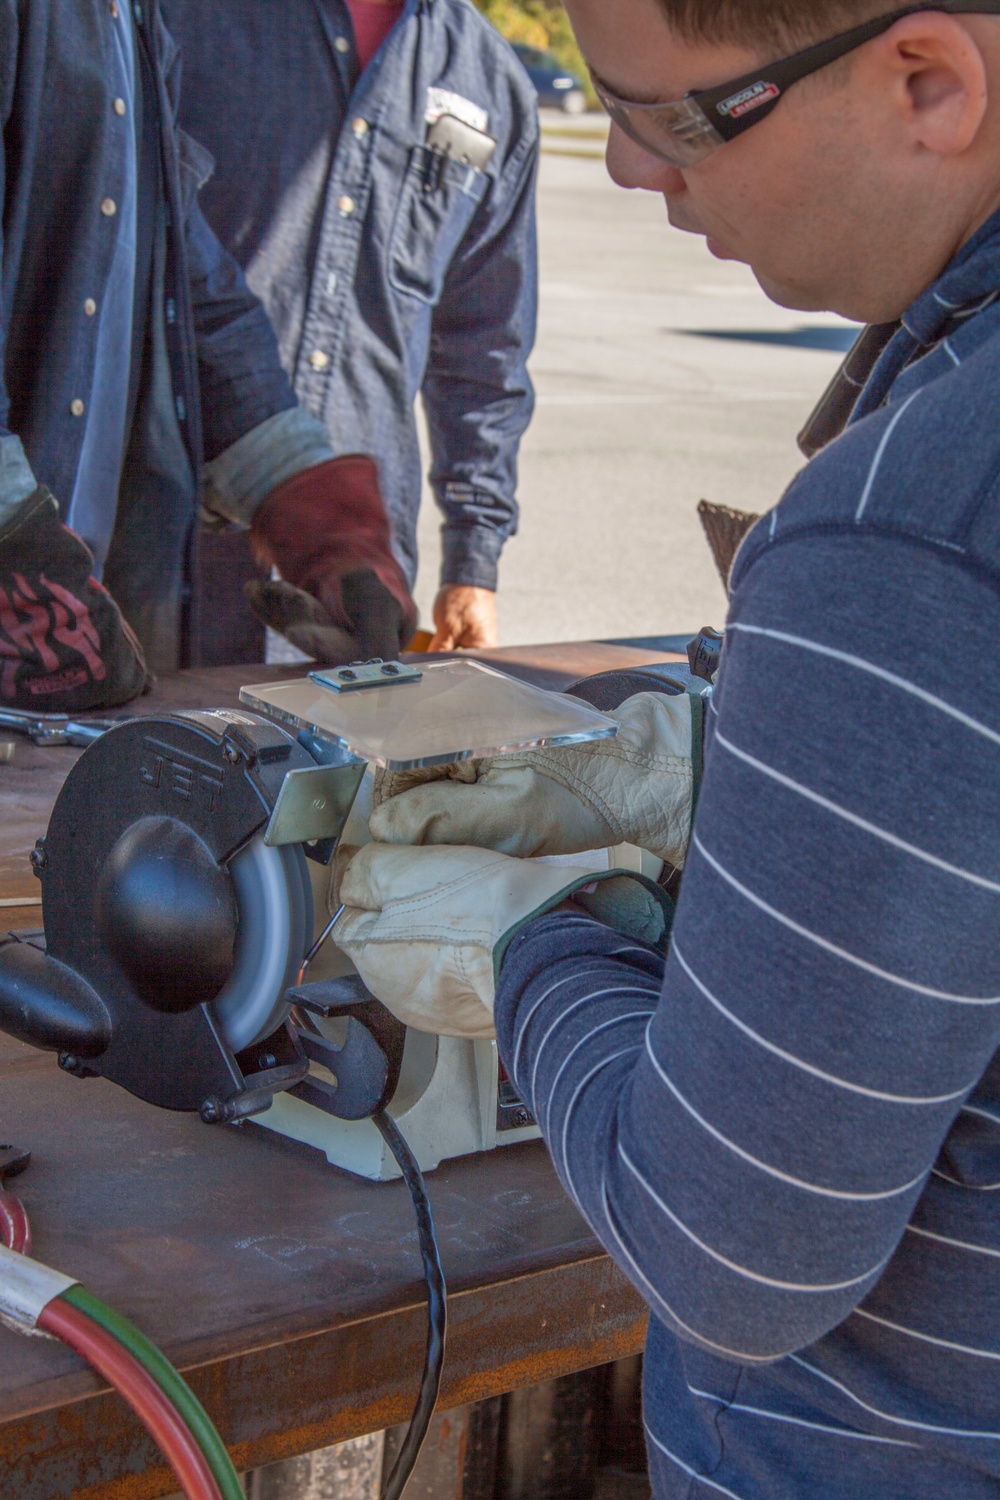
436 206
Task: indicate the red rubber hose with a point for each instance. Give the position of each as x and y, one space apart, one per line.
157 1414
15 1230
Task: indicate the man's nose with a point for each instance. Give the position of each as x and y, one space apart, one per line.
632 167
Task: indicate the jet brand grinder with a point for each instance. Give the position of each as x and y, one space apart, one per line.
178 909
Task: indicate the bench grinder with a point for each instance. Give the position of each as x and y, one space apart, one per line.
178 875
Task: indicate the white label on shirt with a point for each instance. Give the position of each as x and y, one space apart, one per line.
444 102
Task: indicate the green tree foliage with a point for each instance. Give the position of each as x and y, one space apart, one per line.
539 23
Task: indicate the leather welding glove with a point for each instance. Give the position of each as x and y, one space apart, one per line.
327 533
427 929
64 644
638 788
302 620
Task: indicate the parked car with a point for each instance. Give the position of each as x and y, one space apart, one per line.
557 88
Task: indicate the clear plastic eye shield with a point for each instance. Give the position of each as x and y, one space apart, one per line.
684 131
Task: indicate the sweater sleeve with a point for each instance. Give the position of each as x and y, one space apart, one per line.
749 1139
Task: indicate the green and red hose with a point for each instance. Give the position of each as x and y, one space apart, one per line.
34 1297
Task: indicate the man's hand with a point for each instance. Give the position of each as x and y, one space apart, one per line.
427 928
64 644
327 533
464 616
636 789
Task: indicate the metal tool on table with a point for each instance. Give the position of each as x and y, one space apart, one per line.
55 729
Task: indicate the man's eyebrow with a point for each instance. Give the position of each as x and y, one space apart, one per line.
627 97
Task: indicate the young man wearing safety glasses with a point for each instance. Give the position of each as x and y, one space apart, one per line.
786 1130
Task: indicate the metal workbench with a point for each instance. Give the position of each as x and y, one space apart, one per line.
289 1293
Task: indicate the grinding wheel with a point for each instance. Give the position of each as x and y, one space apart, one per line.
275 914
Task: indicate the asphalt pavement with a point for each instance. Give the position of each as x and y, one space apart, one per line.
663 376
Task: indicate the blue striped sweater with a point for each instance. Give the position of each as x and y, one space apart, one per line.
788 1135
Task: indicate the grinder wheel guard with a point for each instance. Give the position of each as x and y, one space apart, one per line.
172 930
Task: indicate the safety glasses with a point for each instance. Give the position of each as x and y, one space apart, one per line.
687 130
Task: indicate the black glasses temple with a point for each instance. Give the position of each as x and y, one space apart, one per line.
781 75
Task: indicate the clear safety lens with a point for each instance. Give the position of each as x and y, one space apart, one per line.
678 133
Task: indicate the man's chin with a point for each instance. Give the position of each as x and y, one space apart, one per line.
716 247
719 250
795 298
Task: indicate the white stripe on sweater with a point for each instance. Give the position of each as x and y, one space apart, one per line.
762 1166
797 1062
686 1469
866 494
834 948
617 989
853 818
809 1288
632 1015
780 1416
926 1338
588 1078
535 1006
943 1239
657 1302
894 680
960 1432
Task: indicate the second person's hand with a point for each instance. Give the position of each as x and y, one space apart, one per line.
464 616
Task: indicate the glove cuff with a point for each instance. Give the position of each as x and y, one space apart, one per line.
631 904
39 500
328 522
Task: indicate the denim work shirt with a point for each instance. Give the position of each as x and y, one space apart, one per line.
203 370
385 269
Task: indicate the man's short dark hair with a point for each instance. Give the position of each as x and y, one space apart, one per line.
782 23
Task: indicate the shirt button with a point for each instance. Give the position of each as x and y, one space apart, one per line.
109 207
346 206
90 307
319 360
114 10
360 127
342 44
76 407
119 106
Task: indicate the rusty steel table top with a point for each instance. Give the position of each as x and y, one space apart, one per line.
289 1292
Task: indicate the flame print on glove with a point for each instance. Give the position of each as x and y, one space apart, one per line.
64 645
30 628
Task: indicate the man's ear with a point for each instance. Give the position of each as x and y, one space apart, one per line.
939 80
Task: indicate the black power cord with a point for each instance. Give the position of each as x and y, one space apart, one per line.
437 1307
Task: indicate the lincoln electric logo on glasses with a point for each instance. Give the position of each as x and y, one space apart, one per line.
748 99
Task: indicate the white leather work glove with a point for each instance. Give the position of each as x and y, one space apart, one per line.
638 788
427 928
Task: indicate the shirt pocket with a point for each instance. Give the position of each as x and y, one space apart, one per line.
435 208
